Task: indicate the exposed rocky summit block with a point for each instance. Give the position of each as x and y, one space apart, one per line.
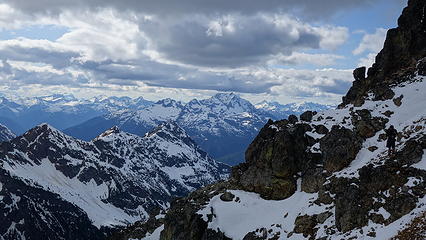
307 116
339 148
274 159
402 52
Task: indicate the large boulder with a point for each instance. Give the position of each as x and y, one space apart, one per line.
339 148
366 126
307 116
274 159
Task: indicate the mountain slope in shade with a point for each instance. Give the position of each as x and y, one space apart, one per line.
5 134
29 212
115 179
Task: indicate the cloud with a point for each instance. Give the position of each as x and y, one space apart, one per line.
298 58
371 42
38 51
305 8
367 61
118 49
236 40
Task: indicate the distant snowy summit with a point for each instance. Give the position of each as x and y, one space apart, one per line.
282 111
113 180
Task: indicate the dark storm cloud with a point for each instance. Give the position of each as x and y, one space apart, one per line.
231 41
12 76
37 51
308 8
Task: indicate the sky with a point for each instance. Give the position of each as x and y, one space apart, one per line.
275 50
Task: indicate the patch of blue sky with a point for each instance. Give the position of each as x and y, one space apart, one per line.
48 32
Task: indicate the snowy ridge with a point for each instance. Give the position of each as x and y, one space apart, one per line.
118 177
6 134
281 111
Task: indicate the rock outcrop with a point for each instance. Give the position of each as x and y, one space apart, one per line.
339 147
403 48
274 159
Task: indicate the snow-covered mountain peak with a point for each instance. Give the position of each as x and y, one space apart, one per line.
108 133
168 102
226 97
44 136
169 128
43 128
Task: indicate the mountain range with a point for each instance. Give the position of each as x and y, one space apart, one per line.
223 125
54 186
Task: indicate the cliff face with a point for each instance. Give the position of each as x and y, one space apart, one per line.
326 175
403 48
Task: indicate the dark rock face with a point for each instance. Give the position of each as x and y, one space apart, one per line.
138 230
182 221
305 224
292 119
350 213
422 67
403 48
227 197
307 116
359 74
339 147
312 180
321 129
274 158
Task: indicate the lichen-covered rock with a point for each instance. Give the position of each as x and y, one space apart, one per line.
312 180
359 73
305 225
321 129
292 119
322 217
339 147
421 67
398 101
182 221
350 210
274 159
227 197
307 116
365 125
